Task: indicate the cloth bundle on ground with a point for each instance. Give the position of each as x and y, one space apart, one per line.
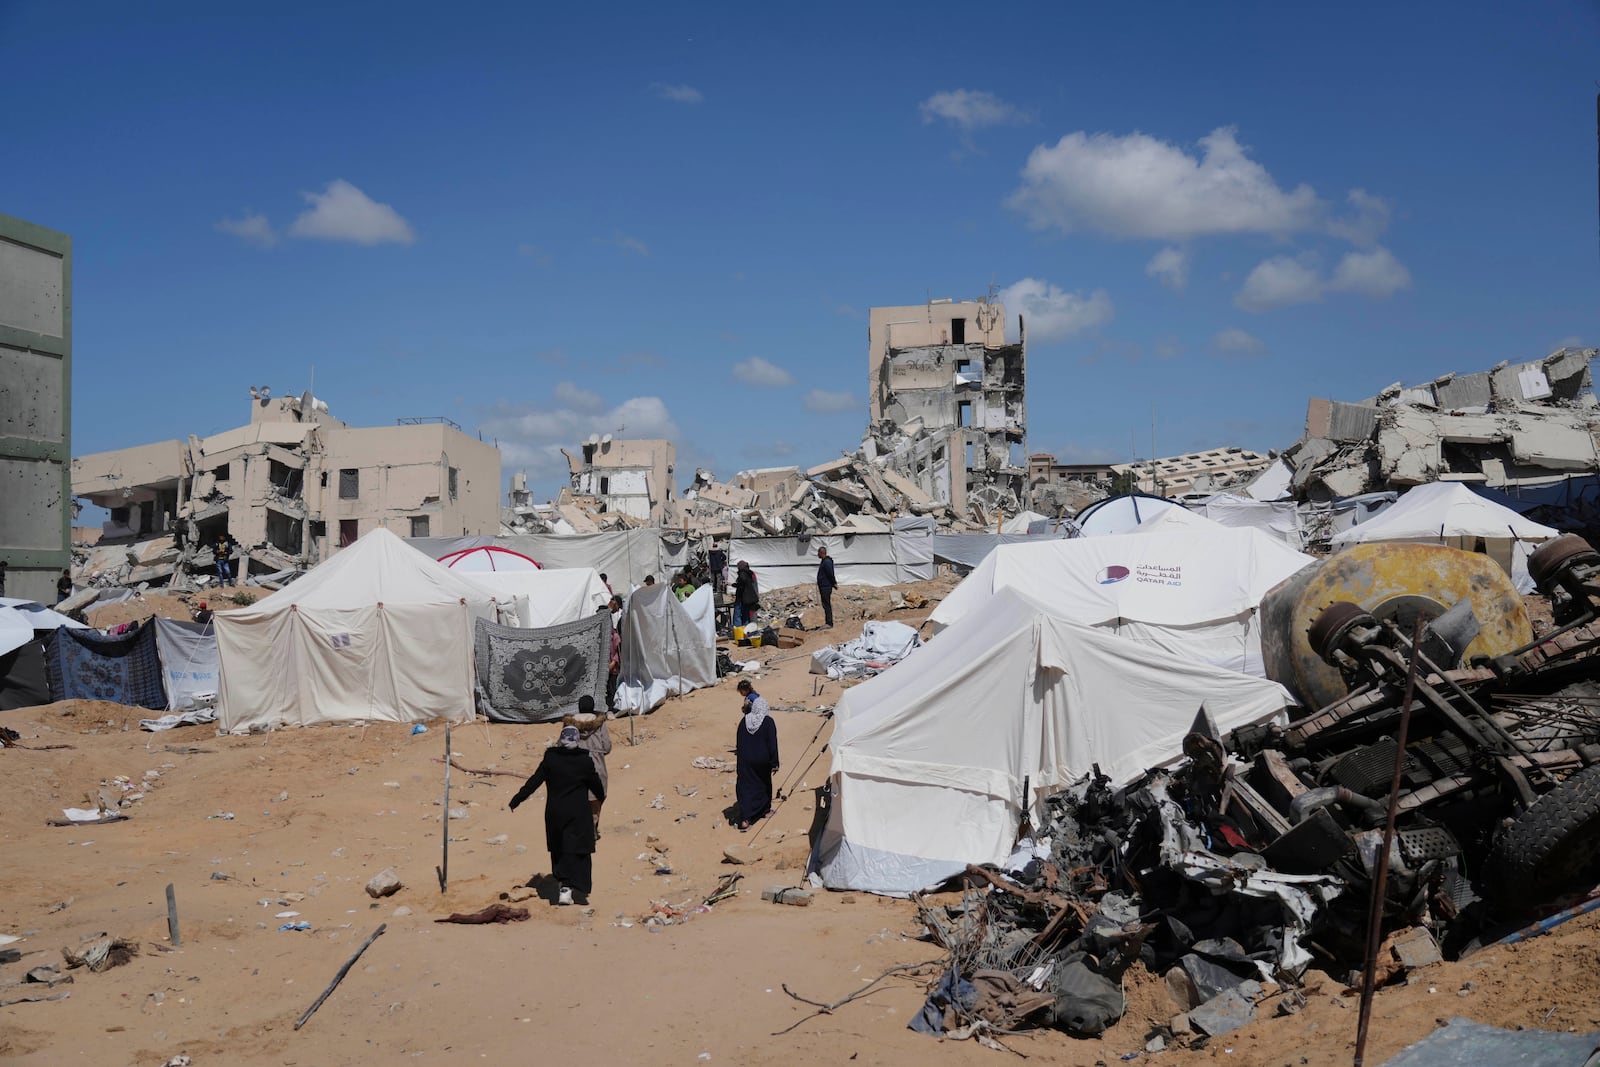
539 675
880 646
84 664
188 661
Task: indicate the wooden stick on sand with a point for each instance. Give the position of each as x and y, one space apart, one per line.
349 963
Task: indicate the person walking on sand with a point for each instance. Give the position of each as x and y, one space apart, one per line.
755 750
595 739
826 584
569 774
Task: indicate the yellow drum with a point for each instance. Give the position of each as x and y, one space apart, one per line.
1391 581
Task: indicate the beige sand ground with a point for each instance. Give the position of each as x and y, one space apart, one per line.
568 985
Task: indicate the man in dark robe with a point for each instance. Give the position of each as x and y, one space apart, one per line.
755 755
569 774
826 584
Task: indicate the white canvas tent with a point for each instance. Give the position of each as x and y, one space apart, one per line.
1448 513
930 758
1190 590
545 597
668 648
380 631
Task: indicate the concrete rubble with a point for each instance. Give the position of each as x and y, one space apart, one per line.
1514 424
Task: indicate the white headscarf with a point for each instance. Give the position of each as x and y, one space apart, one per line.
756 711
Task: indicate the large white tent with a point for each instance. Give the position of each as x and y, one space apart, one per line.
380 631
930 759
1448 513
1191 590
545 597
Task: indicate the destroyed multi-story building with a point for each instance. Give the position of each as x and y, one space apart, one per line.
291 487
1513 425
1194 473
632 478
946 400
35 406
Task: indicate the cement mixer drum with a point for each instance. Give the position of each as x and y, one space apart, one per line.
1391 581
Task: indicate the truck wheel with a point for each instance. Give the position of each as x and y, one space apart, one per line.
1553 845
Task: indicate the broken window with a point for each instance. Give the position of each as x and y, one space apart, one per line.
964 413
319 528
349 483
453 473
221 472
958 331
286 478
283 532
348 532
119 516
419 523
605 486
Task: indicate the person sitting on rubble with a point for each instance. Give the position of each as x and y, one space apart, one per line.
568 823
201 614
755 749
746 595
682 588
222 552
63 586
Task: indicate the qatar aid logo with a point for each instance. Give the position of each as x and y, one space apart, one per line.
1112 575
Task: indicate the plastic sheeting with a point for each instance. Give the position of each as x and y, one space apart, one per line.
379 632
930 759
23 620
1120 514
1191 591
189 665
969 550
1277 518
877 559
880 646
665 649
546 597
623 556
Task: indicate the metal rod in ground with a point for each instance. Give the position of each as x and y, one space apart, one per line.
444 862
172 917
1380 879
349 963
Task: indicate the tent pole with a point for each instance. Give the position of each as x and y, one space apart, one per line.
444 863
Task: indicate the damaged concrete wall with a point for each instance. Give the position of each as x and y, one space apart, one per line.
35 406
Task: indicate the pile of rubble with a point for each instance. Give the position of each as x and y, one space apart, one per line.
1514 424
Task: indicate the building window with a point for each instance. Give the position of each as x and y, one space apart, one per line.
349 483
419 525
958 331
221 473
348 532
453 474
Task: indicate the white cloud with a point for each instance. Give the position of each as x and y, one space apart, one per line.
632 244
678 94
344 213
970 109
1236 342
1138 186
1376 274
761 374
1282 281
251 228
532 438
1051 313
1170 267
1368 219
578 398
822 402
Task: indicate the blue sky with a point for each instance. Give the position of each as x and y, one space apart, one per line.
670 219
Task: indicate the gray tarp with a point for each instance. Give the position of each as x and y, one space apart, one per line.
188 653
877 559
623 556
664 651
969 550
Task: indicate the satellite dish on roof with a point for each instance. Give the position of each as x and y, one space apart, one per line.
266 391
594 439
307 401
606 440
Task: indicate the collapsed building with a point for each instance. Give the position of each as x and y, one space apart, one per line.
947 404
291 487
1513 425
